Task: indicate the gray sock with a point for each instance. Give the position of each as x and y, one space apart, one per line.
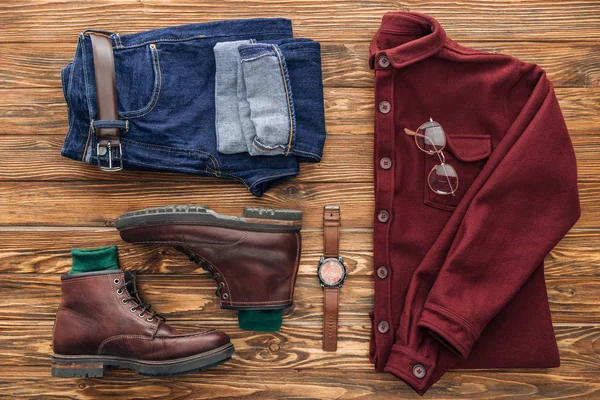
230 139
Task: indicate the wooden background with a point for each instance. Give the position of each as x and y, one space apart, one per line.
49 204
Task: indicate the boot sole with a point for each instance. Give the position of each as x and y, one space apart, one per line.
255 218
90 366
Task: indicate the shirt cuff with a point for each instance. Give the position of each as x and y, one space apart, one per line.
414 369
453 331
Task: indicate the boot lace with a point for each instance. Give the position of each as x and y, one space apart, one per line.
138 303
209 268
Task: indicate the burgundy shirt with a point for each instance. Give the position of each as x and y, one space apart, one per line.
459 280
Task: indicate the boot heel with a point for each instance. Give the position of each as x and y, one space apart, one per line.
78 369
278 214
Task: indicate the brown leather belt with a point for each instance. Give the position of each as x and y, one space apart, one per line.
107 132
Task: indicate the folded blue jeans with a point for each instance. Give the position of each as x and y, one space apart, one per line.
165 82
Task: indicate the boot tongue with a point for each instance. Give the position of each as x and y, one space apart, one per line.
130 284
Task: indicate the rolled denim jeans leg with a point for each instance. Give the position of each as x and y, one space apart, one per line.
303 63
244 111
269 96
230 139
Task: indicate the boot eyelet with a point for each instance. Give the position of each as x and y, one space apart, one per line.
216 275
133 309
120 291
225 296
150 319
142 314
125 301
117 281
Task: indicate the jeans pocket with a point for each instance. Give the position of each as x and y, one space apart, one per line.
467 154
139 79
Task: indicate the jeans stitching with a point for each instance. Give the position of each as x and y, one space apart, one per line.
87 93
200 37
232 176
258 57
69 105
307 152
155 93
268 177
288 95
170 150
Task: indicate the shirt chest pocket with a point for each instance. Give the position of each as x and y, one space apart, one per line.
467 153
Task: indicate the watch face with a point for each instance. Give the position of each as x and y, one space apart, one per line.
332 272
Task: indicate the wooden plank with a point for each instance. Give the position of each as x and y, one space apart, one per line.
345 159
75 203
53 21
344 63
191 297
348 111
294 347
47 251
224 382
24 157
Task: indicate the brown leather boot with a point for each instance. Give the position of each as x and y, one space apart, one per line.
103 322
254 259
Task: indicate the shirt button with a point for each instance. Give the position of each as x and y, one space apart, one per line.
383 327
419 371
385 107
383 216
383 62
382 272
385 163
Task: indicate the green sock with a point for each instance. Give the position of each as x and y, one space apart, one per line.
90 260
260 320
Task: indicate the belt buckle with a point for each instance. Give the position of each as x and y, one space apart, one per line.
109 149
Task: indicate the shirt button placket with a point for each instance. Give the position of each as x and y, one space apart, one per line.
384 153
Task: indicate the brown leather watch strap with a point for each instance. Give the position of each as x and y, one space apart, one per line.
331 231
330 318
106 87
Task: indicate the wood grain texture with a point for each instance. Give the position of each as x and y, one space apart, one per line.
348 111
344 64
224 383
541 20
191 297
49 204
36 251
34 158
295 347
74 203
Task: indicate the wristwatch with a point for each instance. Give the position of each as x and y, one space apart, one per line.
331 273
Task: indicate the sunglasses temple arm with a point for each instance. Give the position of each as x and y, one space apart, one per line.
411 133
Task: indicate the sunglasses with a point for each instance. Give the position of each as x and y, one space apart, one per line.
431 139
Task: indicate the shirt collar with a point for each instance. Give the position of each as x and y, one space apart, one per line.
407 23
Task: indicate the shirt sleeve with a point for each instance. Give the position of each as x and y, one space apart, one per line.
519 207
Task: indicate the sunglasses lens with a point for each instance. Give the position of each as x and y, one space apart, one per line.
431 138
443 179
